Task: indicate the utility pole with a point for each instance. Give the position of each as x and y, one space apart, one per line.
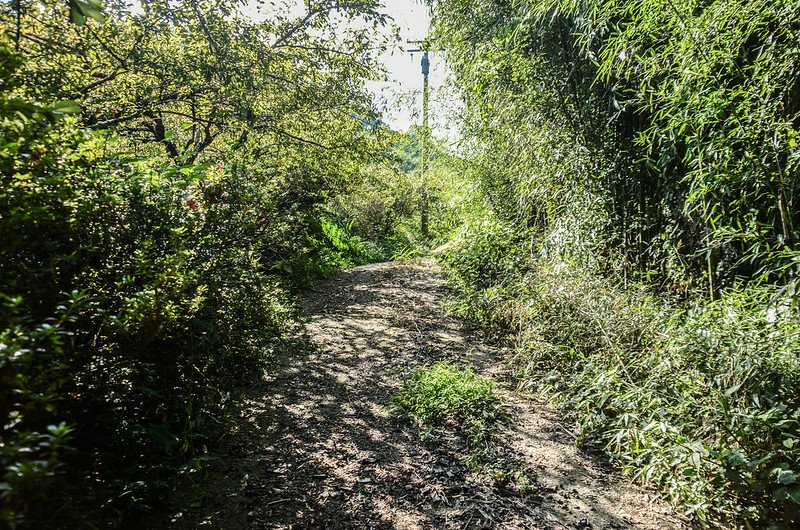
424 200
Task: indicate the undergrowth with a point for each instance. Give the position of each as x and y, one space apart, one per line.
446 396
700 401
612 143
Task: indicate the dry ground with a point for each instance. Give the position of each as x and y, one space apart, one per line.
319 448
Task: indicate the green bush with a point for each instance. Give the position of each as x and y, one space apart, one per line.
138 294
350 249
701 402
33 449
484 263
172 309
444 395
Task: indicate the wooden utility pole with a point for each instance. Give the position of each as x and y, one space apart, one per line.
424 200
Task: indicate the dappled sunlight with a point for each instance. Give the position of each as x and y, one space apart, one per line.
324 450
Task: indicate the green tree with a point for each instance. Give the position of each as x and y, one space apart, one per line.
162 172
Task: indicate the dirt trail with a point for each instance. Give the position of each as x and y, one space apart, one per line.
320 450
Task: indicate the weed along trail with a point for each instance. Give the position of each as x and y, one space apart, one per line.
324 447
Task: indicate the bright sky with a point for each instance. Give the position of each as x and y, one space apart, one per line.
401 95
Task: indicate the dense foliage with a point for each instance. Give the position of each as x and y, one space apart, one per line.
670 126
382 214
444 395
638 169
166 177
624 209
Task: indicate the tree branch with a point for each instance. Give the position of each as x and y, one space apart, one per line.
300 139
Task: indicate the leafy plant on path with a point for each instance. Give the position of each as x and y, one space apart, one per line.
444 395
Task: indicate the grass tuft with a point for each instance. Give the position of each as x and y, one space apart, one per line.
444 395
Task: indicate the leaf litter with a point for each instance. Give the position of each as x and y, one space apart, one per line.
317 446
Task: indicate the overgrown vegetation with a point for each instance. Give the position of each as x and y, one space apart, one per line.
636 239
624 209
385 208
446 396
697 401
167 177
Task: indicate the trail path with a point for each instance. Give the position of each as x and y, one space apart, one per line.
319 449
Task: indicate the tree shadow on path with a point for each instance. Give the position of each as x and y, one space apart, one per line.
318 447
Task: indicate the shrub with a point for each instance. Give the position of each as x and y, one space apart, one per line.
445 395
483 265
698 401
106 390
